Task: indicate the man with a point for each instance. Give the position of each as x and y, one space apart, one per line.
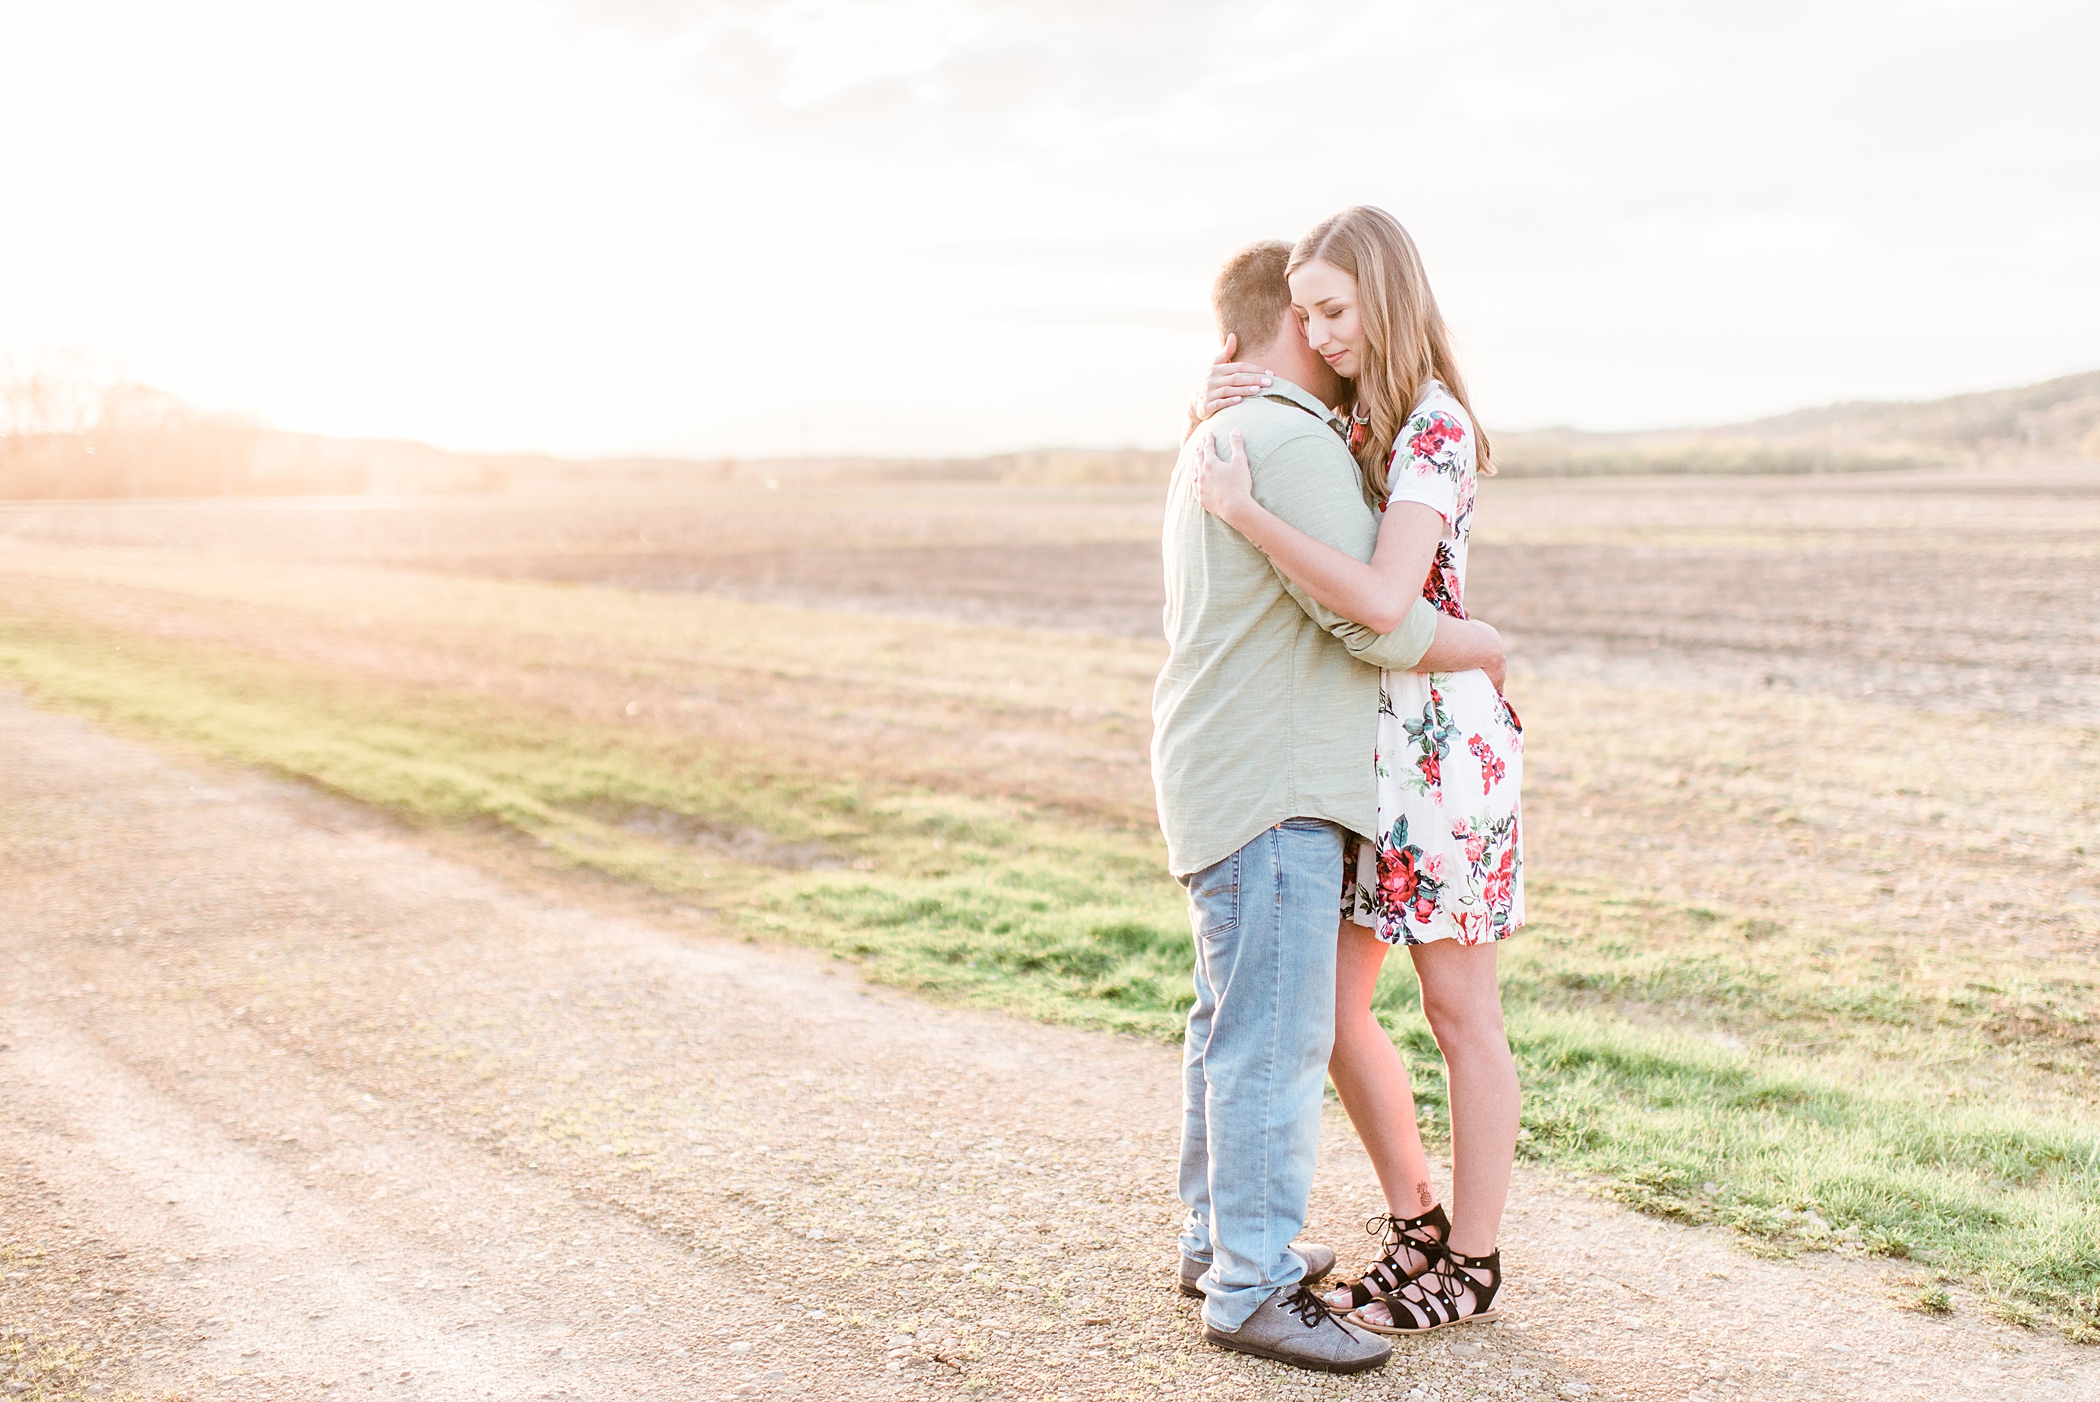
1265 718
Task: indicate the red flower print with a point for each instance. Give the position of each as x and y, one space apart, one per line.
1397 876
1442 587
1442 431
1433 734
1502 881
1475 842
1406 884
1492 769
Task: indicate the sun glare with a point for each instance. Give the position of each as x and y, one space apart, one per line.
967 227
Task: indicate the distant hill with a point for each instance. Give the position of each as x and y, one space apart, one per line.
138 442
2055 420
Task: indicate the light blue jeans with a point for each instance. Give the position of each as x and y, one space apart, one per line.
1254 1064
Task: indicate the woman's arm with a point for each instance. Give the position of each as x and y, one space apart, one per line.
1466 645
1377 595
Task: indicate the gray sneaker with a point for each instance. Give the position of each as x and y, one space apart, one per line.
1295 1327
1319 1264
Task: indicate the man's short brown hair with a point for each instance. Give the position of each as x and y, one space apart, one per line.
1251 294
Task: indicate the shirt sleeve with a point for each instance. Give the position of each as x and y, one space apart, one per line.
1311 482
1432 460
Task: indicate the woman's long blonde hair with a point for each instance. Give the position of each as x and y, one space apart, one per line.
1405 342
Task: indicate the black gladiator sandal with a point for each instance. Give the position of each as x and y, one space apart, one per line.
1409 1247
1456 1290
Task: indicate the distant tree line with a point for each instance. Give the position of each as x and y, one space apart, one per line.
72 427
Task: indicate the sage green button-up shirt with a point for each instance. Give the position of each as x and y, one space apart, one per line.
1267 708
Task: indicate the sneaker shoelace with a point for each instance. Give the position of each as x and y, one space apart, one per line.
1309 1307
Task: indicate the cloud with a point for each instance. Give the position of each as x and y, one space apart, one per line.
939 81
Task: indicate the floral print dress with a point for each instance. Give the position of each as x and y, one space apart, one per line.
1448 859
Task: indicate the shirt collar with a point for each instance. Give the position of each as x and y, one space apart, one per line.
1283 389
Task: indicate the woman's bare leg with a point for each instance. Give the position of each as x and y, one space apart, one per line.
1372 1079
1463 1002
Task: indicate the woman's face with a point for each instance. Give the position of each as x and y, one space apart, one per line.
1324 298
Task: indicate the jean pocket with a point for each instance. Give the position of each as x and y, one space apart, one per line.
1214 897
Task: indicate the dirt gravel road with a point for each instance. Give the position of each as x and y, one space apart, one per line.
294 1105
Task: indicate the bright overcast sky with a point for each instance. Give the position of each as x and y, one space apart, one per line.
771 226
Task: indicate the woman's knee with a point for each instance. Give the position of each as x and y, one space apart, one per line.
1366 1052
1358 1032
1460 1017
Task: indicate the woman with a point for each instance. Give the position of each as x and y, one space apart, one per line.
1444 876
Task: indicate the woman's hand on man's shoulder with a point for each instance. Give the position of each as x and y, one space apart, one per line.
1228 382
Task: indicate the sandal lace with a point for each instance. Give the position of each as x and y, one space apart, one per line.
1395 1232
1449 1291
1394 1235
